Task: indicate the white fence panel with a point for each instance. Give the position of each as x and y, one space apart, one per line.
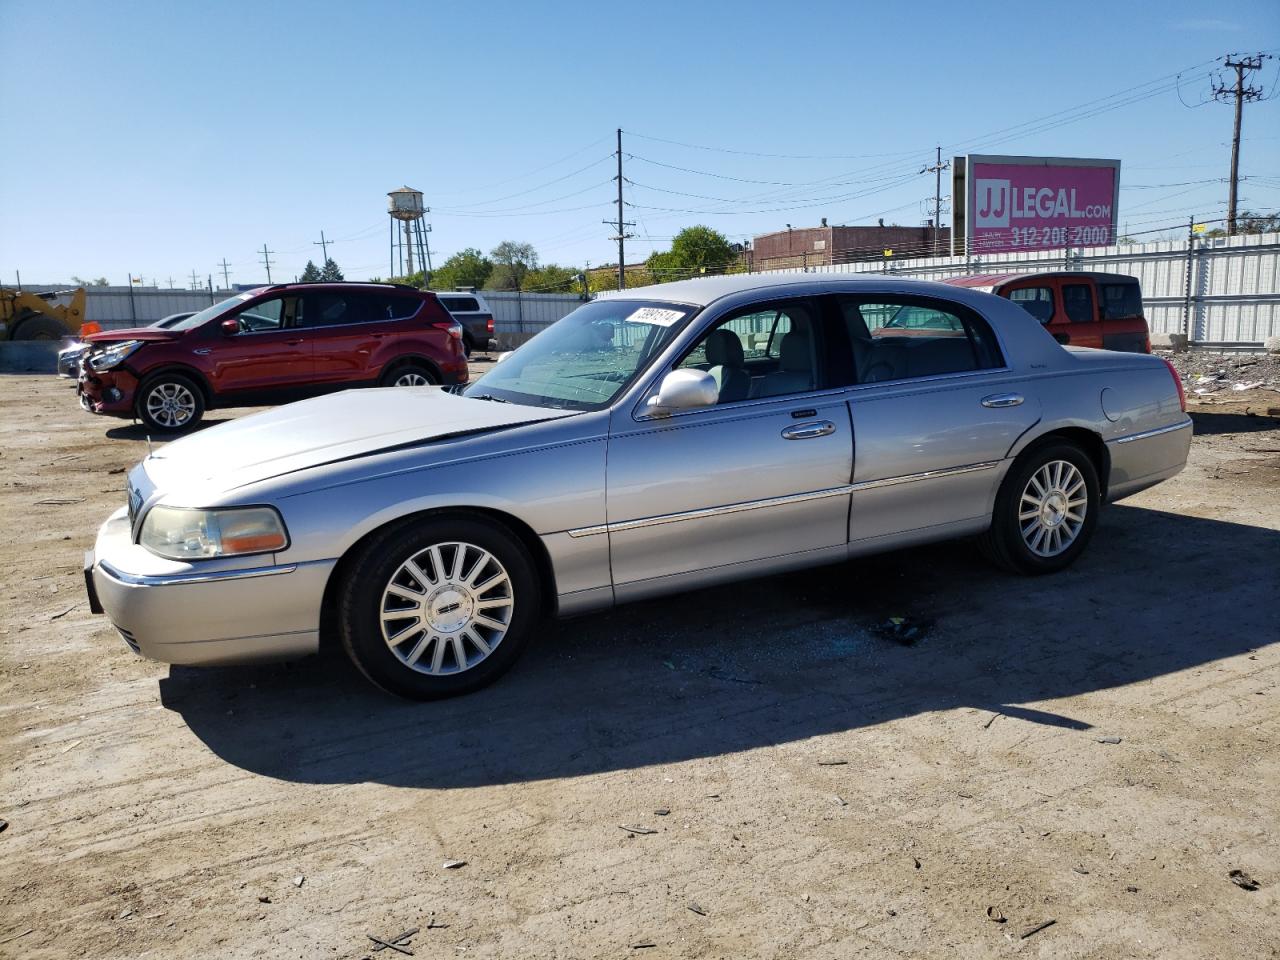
1231 294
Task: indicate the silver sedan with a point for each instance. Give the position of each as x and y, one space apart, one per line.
653 442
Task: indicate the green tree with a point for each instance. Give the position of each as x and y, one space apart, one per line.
552 278
331 272
466 268
512 261
694 251
310 273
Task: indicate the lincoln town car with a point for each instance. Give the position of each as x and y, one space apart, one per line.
658 440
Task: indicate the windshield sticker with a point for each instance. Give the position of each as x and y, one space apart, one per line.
655 315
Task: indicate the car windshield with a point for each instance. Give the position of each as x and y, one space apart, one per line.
585 360
208 313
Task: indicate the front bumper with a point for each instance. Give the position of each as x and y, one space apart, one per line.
109 392
204 613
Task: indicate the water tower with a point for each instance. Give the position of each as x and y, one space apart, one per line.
405 205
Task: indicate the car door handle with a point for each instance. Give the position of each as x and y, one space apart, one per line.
293 343
806 431
1002 400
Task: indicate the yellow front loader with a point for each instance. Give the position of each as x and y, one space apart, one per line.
40 316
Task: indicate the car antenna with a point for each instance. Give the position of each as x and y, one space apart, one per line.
150 452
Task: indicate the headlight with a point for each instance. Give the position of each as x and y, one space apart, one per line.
181 534
113 355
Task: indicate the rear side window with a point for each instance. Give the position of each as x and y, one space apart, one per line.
903 338
460 304
1077 302
1120 300
1037 301
378 308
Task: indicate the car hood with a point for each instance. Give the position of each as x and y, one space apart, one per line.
133 333
340 426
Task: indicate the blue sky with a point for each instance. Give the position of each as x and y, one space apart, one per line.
160 137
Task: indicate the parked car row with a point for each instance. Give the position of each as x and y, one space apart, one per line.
661 440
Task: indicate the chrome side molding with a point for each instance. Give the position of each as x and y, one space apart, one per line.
1153 433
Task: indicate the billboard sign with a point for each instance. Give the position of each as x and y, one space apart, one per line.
1014 204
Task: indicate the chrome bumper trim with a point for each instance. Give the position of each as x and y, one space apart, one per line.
926 475
1153 433
140 580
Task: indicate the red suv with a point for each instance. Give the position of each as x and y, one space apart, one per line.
269 345
1081 309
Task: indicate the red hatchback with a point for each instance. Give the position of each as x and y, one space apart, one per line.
269 345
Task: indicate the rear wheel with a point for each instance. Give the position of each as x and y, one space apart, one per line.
409 375
438 607
170 402
468 345
1045 512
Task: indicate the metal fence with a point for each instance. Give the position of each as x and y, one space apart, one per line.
1222 291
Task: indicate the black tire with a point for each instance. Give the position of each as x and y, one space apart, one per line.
408 370
468 345
381 560
1004 543
39 327
185 413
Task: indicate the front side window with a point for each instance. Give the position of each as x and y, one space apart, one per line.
761 353
585 360
1077 302
1037 301
902 338
263 317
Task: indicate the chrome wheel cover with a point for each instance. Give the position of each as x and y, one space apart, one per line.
446 608
171 404
411 379
1052 509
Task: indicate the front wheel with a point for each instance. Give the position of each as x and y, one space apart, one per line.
438 607
169 403
1045 512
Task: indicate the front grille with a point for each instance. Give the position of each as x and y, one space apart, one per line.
128 638
135 501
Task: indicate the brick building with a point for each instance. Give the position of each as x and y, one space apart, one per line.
825 245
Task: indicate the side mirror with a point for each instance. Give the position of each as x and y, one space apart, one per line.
684 390
230 327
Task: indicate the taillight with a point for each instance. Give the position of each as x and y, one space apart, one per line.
1177 382
489 325
452 327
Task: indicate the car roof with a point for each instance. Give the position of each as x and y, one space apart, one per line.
335 285
702 291
996 279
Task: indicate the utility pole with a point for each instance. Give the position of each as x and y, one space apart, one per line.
323 245
1241 94
936 169
195 280
226 274
621 224
425 229
267 261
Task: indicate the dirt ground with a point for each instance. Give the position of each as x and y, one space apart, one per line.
813 789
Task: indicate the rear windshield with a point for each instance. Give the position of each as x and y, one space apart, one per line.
1121 300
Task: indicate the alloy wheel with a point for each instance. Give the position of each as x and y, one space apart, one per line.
410 378
1052 509
171 404
446 608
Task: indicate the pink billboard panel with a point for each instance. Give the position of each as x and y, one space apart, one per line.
1033 203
